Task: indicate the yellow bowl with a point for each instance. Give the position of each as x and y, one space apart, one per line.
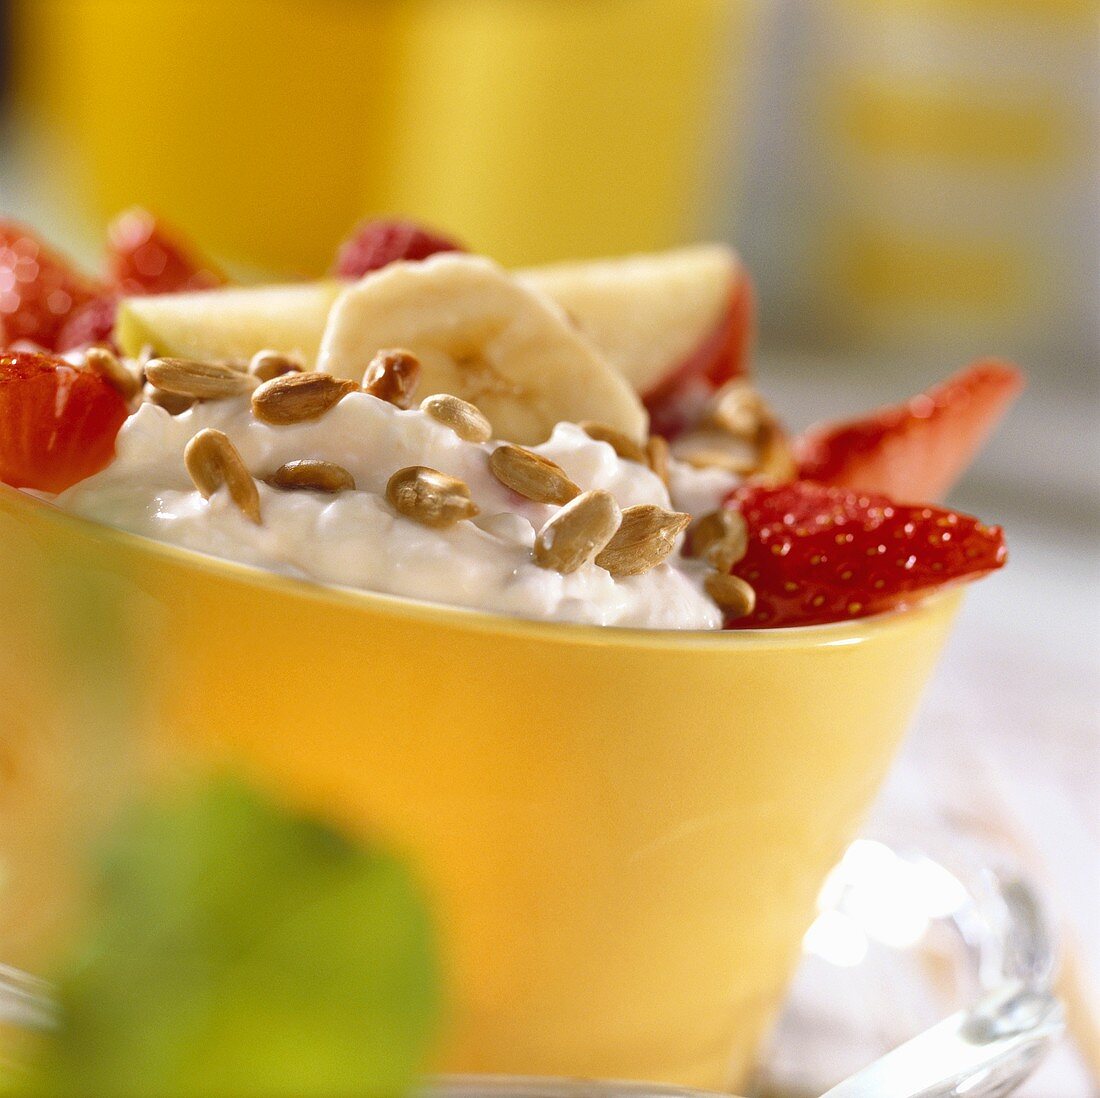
623 831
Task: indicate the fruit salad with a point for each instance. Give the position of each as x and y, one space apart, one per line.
579 443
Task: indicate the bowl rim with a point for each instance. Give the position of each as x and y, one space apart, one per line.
830 634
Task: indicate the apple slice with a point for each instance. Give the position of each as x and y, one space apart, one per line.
676 324
229 323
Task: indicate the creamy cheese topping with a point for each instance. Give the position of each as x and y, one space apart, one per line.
356 539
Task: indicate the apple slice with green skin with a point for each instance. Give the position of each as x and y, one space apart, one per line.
676 324
231 323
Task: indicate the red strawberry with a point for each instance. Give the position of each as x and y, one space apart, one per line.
57 423
916 450
93 322
374 244
146 257
38 288
820 554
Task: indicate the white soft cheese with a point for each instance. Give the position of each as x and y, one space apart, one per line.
355 539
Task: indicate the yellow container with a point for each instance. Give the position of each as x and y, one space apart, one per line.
623 831
535 131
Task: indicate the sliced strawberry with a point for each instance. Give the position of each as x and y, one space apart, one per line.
93 322
38 288
916 450
57 423
374 244
675 404
820 554
144 256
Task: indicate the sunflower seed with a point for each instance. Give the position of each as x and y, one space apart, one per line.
739 409
645 537
531 475
743 414
393 376
464 418
710 447
212 461
623 445
172 403
736 597
578 532
105 364
657 455
200 380
264 365
719 459
320 476
294 398
775 457
430 497
721 538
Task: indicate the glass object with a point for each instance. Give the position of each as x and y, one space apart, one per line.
901 938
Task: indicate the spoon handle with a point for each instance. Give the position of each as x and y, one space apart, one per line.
982 1052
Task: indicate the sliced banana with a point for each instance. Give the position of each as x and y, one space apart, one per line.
482 336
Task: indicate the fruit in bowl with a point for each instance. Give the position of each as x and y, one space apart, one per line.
366 536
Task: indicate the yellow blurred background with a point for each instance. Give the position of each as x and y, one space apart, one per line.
268 127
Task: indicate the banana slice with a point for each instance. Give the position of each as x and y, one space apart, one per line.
482 336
